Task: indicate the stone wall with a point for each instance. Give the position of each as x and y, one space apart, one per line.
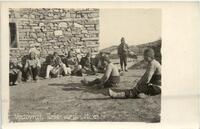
55 30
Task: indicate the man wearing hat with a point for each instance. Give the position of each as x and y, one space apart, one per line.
149 83
111 77
123 51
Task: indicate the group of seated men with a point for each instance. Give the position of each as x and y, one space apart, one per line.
149 83
55 66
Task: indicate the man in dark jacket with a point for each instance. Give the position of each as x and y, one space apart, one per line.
87 65
15 73
123 50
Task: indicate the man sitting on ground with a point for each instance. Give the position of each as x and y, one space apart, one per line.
99 62
15 73
87 65
32 67
150 82
56 67
71 61
110 78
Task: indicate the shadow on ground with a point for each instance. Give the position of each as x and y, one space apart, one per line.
66 99
81 87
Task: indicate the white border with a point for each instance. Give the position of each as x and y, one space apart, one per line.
180 38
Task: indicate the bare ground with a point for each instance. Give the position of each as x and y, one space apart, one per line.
66 99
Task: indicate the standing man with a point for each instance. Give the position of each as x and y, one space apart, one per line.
123 50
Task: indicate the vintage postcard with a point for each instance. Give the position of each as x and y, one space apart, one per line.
44 89
96 63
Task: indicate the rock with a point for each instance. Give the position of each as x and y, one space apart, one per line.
56 47
58 33
56 10
25 16
39 40
43 29
63 14
91 29
20 27
49 35
84 31
93 15
90 39
56 16
51 25
78 25
50 14
93 32
31 42
42 17
40 35
89 26
72 15
63 24
41 24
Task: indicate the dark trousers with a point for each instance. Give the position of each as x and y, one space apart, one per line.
32 71
113 81
153 89
123 60
77 73
89 71
15 77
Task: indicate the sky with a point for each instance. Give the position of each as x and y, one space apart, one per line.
137 26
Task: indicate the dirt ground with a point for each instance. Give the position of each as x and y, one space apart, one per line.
66 99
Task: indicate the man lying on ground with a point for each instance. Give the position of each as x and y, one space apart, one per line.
111 77
56 67
150 82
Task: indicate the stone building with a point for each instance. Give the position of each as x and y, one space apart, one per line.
52 30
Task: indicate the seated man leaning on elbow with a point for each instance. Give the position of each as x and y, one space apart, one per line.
149 83
111 77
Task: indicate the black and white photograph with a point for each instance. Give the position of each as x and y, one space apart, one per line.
85 64
116 65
